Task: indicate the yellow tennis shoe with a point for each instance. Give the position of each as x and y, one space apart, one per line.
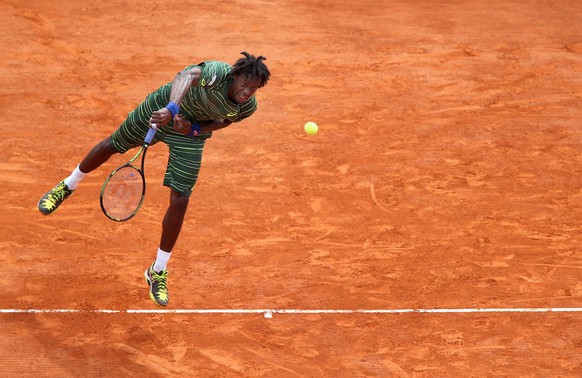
51 201
158 283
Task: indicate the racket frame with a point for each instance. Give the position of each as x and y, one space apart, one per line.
142 151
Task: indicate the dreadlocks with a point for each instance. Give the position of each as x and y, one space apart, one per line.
252 67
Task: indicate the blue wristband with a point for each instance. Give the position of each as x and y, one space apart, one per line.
173 108
194 129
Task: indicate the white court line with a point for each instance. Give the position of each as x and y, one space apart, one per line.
270 312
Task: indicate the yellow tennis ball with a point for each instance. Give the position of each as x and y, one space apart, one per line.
310 128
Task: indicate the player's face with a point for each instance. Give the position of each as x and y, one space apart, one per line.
242 88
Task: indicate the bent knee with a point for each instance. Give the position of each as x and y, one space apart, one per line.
106 145
179 200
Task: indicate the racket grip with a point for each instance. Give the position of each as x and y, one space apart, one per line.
150 136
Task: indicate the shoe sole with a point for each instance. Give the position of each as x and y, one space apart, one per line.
152 297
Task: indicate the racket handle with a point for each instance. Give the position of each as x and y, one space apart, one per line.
150 136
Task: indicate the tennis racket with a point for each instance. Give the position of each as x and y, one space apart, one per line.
123 191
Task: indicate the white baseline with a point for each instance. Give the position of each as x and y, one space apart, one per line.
270 312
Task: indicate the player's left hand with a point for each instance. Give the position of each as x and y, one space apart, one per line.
182 125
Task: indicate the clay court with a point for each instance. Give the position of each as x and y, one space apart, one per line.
446 174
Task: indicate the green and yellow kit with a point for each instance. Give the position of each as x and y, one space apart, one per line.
204 102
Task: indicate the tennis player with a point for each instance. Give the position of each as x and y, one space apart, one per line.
201 99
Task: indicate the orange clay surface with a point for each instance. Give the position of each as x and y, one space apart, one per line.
447 173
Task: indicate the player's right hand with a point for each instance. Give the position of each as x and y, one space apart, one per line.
160 118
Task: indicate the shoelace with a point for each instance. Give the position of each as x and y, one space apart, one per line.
57 194
161 280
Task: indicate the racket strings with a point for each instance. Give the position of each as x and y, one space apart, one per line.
123 193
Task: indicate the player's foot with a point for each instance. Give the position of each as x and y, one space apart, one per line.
50 202
158 283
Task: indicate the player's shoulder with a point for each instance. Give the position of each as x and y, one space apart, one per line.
211 64
213 73
215 64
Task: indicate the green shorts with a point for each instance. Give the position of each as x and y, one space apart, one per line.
185 152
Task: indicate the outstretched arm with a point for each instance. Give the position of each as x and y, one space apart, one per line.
180 85
182 125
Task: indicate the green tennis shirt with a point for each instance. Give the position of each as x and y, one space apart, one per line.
209 99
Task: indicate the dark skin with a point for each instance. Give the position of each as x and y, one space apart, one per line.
240 90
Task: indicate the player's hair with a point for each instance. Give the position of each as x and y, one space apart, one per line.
252 67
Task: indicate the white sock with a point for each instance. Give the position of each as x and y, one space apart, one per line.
73 180
162 260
